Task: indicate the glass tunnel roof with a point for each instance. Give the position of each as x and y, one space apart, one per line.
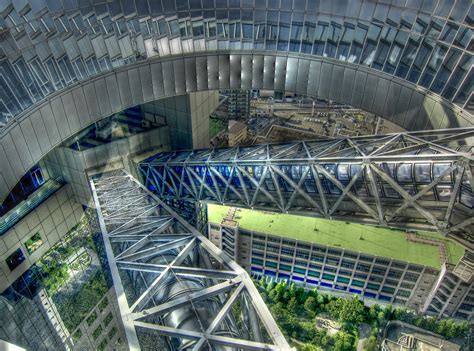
49 46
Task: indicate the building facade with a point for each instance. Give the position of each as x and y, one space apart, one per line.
422 288
237 132
237 102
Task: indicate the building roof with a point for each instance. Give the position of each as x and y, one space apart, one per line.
236 126
376 241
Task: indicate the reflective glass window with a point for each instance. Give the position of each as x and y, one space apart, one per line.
466 89
421 59
439 168
458 76
449 32
343 172
408 56
395 52
422 172
445 71
404 172
433 65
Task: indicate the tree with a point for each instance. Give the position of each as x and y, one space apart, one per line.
310 305
349 311
370 344
451 329
310 347
343 342
292 304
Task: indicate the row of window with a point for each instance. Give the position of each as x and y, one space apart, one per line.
325 277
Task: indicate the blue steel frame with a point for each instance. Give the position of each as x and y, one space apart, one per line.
405 180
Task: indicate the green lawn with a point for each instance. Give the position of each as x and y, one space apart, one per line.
215 126
356 237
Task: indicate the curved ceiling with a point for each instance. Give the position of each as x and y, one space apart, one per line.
48 45
45 125
66 65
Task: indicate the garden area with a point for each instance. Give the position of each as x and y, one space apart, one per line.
300 313
216 125
72 272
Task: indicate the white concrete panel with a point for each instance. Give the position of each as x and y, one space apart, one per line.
391 101
269 72
302 78
21 146
146 82
103 97
235 71
202 73
280 73
91 101
31 139
113 92
291 74
369 92
60 117
124 88
40 131
413 110
70 110
359 87
168 78
224 71
313 78
179 76
13 157
325 80
246 72
8 173
157 80
336 79
380 96
82 109
135 86
190 74
347 85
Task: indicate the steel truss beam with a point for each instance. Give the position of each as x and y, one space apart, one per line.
413 180
165 272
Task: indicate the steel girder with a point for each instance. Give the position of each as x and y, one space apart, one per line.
174 286
407 180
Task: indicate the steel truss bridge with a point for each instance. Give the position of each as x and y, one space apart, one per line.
174 288
413 180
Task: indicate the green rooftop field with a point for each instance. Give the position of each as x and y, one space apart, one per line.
367 239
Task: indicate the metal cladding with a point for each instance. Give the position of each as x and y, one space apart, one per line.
407 180
67 64
174 288
49 45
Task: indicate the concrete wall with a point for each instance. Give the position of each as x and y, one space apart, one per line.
52 219
187 117
202 104
72 165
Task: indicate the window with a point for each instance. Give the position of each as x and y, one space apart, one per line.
33 243
15 259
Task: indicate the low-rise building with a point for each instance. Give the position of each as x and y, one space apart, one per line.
237 132
375 263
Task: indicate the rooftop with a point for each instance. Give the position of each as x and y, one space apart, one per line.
236 126
377 241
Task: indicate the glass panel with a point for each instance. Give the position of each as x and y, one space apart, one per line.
404 172
445 70
422 173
